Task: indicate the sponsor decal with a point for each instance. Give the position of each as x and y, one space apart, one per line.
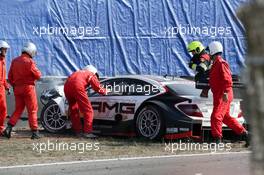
184 129
121 108
172 130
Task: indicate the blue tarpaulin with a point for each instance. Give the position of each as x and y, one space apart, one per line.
121 36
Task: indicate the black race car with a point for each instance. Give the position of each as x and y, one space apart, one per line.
148 106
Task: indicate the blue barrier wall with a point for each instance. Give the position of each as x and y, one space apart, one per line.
121 36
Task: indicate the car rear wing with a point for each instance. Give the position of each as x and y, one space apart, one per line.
204 84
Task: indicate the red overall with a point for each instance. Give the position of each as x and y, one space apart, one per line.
75 92
3 86
220 83
22 76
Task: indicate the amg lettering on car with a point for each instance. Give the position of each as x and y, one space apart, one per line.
123 108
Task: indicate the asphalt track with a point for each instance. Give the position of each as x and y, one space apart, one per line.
195 164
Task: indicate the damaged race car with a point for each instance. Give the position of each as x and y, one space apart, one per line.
149 106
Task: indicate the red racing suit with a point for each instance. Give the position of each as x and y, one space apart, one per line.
75 92
3 86
22 76
221 82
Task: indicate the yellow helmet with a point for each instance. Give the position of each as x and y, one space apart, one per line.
196 46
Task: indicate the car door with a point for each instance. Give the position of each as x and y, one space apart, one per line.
114 104
125 96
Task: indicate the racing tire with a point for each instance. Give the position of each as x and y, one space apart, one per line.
149 123
51 118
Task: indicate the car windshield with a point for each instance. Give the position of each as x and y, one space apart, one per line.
187 89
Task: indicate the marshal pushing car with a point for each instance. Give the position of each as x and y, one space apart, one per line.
148 106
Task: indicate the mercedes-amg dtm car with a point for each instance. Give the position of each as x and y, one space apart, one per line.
148 106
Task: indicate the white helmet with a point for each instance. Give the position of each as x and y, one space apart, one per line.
4 44
215 47
90 68
30 48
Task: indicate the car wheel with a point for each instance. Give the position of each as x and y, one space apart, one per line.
51 118
149 123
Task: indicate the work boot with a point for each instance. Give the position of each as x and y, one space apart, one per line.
35 135
89 136
78 135
217 140
7 131
246 136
